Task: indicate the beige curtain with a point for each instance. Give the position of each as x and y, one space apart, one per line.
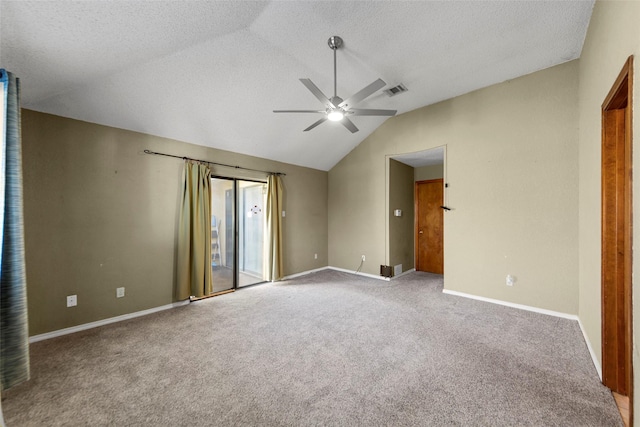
194 233
273 241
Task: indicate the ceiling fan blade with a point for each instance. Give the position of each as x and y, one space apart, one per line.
349 125
318 93
300 111
369 90
370 112
322 120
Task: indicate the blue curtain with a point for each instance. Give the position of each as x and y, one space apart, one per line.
14 331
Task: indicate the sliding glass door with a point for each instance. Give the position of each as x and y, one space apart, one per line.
222 234
252 197
237 232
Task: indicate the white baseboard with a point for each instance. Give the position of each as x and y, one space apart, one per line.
85 326
304 273
344 270
594 359
403 273
373 276
514 305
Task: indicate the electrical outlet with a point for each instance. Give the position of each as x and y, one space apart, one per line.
364 258
72 300
315 256
510 280
119 292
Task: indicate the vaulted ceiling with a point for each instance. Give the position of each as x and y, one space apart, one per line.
211 72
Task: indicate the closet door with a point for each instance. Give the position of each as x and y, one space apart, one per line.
429 233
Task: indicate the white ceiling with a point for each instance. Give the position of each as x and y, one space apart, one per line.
434 156
211 72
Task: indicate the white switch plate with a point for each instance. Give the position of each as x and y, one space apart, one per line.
284 214
315 256
72 300
510 280
119 292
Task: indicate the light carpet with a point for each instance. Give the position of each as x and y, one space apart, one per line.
329 348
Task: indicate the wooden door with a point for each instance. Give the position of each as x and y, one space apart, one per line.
614 251
617 353
429 226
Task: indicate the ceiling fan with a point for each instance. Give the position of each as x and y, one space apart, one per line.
337 109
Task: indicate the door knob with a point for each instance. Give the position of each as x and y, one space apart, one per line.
420 232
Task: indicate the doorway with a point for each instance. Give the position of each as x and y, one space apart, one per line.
403 239
429 225
616 280
237 233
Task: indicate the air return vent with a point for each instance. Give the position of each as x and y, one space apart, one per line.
396 90
386 271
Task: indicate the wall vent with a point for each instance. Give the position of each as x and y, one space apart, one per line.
393 91
386 271
397 270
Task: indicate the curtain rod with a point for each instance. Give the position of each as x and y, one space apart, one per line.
213 163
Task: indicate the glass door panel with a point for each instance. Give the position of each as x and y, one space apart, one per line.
252 221
222 233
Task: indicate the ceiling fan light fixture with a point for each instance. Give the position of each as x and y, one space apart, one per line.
335 115
335 108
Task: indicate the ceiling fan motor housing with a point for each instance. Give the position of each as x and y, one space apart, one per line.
336 100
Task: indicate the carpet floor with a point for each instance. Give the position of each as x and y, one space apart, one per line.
329 348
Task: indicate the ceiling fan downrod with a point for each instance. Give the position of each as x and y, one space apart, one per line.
335 43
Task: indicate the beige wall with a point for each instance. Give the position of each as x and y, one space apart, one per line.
614 35
100 214
429 172
357 209
401 246
512 170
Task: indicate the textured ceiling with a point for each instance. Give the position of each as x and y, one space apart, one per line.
211 72
434 156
